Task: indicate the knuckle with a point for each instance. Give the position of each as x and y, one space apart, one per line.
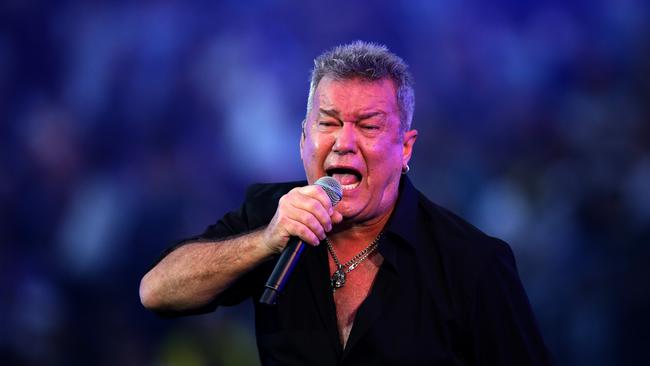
313 223
306 190
295 192
318 229
323 216
306 234
314 191
283 201
313 205
293 228
323 195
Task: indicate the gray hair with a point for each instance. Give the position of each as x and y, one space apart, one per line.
369 61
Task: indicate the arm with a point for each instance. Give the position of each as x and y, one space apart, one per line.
194 274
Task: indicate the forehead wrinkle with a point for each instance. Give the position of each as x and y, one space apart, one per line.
329 112
367 115
359 116
328 99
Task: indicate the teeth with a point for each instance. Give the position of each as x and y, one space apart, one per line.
350 186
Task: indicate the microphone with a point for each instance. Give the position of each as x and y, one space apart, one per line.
291 253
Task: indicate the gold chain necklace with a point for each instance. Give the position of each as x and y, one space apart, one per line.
338 278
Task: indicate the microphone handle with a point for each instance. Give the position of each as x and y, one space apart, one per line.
282 271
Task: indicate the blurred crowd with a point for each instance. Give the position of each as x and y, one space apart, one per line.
125 126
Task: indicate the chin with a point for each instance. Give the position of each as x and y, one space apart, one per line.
349 210
344 209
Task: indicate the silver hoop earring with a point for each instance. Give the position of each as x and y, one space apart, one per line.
405 169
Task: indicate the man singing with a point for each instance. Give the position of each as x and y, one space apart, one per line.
389 278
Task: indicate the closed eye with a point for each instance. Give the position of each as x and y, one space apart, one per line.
370 127
328 125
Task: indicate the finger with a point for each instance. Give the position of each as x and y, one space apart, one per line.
317 192
308 219
315 208
289 210
336 217
297 228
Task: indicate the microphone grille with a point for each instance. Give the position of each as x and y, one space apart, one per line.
332 187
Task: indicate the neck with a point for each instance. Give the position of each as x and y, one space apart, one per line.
356 236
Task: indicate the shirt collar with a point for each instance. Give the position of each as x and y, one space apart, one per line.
402 225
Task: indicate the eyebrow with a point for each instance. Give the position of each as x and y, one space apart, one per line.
335 114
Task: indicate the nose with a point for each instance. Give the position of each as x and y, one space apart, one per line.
346 140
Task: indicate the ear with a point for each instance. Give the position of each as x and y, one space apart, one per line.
302 138
407 147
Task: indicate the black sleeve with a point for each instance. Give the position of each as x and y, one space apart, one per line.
250 216
233 224
229 225
504 330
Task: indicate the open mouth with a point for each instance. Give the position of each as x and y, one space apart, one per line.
349 178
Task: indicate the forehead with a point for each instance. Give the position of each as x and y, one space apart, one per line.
351 96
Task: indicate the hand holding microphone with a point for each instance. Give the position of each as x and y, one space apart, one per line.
304 215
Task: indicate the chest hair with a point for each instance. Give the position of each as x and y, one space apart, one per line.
357 287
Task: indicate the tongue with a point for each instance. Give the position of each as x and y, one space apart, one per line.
345 179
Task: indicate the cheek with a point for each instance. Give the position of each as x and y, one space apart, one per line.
319 146
313 152
382 148
382 157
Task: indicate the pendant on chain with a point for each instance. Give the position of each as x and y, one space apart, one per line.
338 278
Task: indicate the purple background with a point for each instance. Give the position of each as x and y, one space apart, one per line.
127 125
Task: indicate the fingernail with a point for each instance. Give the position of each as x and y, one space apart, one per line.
331 211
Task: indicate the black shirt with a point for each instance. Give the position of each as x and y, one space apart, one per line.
445 294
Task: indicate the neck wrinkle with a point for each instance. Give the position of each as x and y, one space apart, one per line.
357 237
